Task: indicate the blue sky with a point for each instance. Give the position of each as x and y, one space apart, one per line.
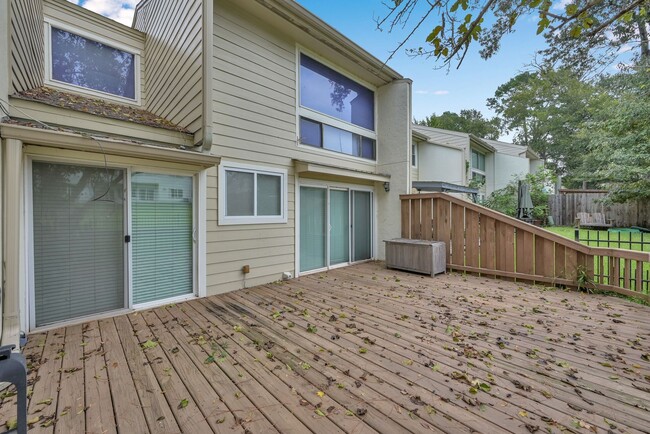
434 90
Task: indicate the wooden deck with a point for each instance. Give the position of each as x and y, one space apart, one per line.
360 349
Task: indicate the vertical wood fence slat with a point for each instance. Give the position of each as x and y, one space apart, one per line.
415 219
560 260
626 274
510 248
488 243
525 252
501 245
638 286
472 238
427 219
616 271
457 234
444 226
406 219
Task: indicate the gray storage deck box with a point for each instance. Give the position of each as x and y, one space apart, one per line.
420 256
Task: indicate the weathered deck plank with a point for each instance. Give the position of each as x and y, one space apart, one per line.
129 415
99 413
357 350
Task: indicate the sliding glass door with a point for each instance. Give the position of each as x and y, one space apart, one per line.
80 240
335 226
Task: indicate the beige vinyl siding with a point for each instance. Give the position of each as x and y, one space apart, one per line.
26 45
104 28
173 50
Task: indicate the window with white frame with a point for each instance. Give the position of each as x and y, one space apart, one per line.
414 154
478 167
336 112
78 60
252 195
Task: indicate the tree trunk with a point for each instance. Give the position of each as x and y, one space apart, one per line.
643 34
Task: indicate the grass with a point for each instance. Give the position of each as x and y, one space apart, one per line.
618 240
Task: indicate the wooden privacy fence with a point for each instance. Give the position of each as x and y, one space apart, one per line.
564 208
481 240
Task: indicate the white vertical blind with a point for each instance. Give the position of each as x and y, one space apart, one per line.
162 245
78 222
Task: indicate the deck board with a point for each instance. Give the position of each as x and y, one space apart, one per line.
360 349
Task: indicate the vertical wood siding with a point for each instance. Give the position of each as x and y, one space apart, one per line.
26 44
173 52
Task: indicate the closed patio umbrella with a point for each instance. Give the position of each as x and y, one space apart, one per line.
524 202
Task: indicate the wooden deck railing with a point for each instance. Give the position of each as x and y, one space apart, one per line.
484 241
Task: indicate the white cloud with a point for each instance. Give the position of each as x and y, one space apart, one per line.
561 5
432 92
118 10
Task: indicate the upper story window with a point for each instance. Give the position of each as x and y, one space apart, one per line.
414 154
77 61
336 112
478 161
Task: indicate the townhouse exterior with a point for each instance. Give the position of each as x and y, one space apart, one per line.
461 159
210 147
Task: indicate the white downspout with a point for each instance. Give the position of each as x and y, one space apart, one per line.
5 25
207 60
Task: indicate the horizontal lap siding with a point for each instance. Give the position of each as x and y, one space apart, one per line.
26 45
173 51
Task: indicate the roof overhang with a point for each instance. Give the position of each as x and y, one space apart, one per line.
419 136
444 187
124 148
477 142
320 169
304 20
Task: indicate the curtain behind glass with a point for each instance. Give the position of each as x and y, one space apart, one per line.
339 227
362 205
313 228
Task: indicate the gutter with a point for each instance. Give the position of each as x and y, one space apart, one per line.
206 64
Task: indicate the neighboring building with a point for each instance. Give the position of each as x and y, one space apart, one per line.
209 137
452 157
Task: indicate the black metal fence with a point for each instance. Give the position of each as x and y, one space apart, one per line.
617 239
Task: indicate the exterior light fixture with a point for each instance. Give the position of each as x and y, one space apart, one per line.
387 186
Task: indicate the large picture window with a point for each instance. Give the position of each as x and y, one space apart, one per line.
81 62
250 195
337 113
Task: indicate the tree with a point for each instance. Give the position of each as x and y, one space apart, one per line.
544 110
468 121
618 137
574 33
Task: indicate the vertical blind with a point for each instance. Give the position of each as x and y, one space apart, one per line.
362 224
162 246
78 221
